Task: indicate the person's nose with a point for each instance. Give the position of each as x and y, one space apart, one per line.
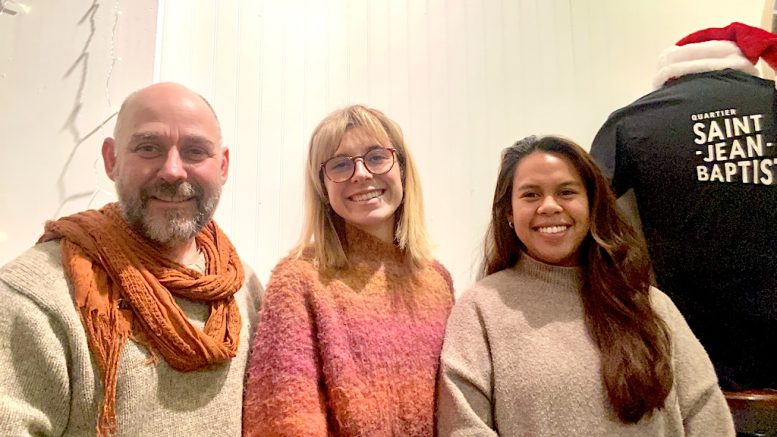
549 205
360 172
173 167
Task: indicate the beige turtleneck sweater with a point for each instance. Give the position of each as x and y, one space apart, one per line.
517 360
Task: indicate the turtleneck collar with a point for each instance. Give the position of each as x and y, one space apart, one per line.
566 277
362 246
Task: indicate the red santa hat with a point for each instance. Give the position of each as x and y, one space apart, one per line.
752 41
736 46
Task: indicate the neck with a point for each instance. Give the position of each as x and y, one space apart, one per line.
383 232
568 277
362 245
183 254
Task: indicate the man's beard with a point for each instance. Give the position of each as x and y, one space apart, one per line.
174 226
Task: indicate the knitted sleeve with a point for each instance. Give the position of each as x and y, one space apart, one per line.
34 382
464 405
702 405
282 394
446 275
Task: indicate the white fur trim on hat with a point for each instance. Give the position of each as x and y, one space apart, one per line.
700 57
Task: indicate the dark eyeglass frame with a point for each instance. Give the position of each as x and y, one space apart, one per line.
361 158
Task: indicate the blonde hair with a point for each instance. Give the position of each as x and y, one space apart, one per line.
323 229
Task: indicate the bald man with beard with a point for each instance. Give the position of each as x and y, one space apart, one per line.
134 319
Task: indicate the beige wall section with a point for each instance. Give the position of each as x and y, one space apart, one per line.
65 66
768 22
463 78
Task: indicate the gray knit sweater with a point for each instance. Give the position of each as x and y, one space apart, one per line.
50 386
517 360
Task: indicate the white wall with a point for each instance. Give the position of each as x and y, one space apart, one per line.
65 67
464 79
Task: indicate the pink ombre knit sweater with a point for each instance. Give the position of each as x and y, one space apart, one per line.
350 352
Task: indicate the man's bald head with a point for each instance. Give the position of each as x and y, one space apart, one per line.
162 90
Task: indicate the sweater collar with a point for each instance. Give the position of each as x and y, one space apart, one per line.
363 246
566 277
677 61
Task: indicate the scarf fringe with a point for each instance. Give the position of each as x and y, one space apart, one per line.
107 340
109 265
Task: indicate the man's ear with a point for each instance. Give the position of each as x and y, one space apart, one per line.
224 165
109 156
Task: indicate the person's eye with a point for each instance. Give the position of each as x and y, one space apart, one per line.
340 164
148 150
568 192
529 195
195 154
377 155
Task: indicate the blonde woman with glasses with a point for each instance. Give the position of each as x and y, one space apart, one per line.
353 319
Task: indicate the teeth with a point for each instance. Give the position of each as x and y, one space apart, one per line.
366 196
552 229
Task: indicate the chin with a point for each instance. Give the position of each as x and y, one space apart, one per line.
371 222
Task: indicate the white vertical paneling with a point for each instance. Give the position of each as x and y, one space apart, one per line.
271 135
189 33
64 69
516 68
338 71
298 38
442 171
495 78
321 40
359 36
244 137
464 79
217 82
378 67
419 97
398 59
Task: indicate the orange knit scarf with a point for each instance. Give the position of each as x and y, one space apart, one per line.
124 288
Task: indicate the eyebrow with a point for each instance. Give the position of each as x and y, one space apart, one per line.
198 140
529 186
145 136
157 137
372 147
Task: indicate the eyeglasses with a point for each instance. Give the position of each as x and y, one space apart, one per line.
377 161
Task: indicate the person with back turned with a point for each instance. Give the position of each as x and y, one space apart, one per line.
699 153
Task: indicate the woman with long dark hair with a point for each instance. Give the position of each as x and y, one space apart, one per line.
563 335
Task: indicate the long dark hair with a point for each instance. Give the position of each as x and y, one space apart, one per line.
632 339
